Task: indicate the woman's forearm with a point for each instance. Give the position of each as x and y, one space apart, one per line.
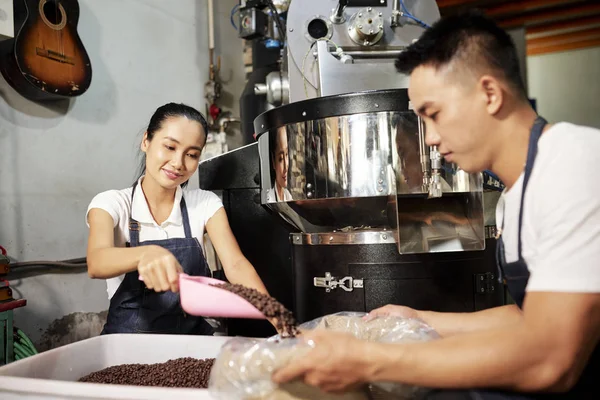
105 263
243 273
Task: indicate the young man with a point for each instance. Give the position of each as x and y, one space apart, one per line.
465 83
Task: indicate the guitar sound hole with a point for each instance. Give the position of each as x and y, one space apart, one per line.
52 12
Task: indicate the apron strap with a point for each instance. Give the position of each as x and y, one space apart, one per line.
134 226
184 217
536 133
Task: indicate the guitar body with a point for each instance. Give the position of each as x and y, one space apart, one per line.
46 60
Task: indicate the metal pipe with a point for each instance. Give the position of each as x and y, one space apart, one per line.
337 14
424 154
435 185
211 39
224 121
373 53
396 14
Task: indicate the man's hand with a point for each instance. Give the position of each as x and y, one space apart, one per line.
338 362
392 311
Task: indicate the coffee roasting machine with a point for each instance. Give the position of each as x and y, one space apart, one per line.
336 199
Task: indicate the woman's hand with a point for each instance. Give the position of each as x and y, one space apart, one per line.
392 311
159 269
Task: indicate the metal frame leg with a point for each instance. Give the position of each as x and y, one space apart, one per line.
6 336
10 357
3 359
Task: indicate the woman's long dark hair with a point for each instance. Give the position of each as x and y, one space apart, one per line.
160 116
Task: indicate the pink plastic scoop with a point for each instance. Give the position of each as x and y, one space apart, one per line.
200 299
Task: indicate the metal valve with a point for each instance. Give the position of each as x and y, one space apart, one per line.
435 184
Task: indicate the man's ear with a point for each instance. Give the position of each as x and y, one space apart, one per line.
145 142
493 94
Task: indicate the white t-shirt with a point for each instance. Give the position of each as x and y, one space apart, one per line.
272 196
561 217
201 206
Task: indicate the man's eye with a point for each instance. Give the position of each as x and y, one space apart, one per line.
194 156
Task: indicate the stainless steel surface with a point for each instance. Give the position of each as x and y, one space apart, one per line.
317 18
396 14
379 73
276 88
350 236
366 27
435 185
365 54
453 222
339 157
337 14
335 77
424 154
363 177
350 177
330 283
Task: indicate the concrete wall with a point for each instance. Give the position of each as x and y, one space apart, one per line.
55 158
566 85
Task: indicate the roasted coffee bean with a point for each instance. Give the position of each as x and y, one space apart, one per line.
269 306
181 372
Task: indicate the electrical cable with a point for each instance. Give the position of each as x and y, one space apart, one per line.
19 349
410 16
22 346
304 80
73 263
303 74
280 26
26 340
233 11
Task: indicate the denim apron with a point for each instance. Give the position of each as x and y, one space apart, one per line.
136 309
516 276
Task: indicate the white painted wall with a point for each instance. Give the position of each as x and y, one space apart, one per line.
566 85
54 159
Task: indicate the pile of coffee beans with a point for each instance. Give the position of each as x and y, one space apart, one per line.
272 309
184 372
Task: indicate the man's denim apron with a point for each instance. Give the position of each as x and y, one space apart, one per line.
516 276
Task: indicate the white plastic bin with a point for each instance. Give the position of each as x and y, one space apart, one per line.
54 374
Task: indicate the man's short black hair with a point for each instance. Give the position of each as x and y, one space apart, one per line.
473 39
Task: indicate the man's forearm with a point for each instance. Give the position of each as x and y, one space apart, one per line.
508 357
449 324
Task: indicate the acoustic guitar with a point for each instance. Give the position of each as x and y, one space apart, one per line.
46 59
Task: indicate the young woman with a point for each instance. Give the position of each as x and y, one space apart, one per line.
280 162
154 230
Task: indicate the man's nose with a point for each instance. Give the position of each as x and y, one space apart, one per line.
431 136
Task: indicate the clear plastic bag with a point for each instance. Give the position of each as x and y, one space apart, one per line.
244 366
380 329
